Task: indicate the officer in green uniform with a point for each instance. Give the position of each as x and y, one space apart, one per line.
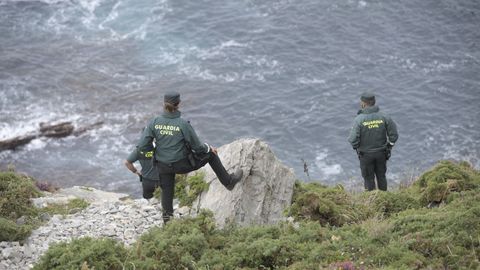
149 173
373 135
179 150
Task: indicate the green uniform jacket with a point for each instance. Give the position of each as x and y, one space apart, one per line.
171 132
372 130
145 158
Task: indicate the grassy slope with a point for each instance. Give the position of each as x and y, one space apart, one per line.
434 224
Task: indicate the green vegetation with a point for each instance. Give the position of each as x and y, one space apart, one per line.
16 192
187 189
327 205
445 181
71 207
11 231
84 253
335 230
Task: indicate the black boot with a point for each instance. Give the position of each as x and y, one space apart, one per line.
235 178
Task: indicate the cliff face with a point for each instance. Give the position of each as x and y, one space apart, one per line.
261 196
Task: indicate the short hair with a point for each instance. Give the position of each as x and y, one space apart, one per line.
369 102
169 107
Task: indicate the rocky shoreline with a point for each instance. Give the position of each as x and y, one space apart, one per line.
110 215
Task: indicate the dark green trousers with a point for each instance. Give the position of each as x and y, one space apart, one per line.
167 177
149 187
374 165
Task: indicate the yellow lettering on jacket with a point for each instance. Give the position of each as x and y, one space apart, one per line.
149 154
166 132
373 123
167 129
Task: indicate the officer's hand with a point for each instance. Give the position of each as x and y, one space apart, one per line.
138 173
214 150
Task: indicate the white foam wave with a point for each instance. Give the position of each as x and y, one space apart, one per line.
20 128
233 43
112 16
304 80
215 51
326 168
36 144
90 5
197 72
261 61
425 67
140 32
20 124
50 2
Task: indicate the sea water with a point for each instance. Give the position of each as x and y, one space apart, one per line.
288 72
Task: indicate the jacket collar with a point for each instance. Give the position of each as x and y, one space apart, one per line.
367 110
176 114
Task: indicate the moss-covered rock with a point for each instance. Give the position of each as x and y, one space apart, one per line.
328 205
445 178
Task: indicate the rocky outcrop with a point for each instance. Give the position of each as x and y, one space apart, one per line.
49 130
261 196
109 214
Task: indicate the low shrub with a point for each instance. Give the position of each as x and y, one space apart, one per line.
385 204
16 190
176 246
10 231
15 193
84 253
447 235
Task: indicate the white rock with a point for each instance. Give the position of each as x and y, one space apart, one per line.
264 192
91 195
6 252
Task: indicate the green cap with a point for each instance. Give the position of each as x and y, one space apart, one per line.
367 97
172 97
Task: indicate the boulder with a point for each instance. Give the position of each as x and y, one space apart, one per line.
261 196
